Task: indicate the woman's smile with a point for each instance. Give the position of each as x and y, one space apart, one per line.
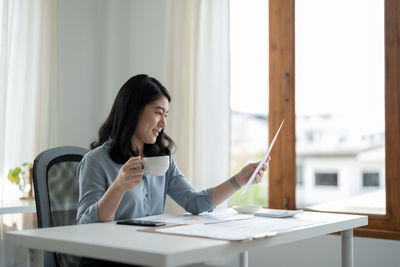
156 132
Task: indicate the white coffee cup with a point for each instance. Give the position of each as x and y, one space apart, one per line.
156 166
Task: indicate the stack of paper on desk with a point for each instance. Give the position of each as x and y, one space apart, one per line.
206 218
241 229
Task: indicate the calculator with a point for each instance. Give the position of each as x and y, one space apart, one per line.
275 213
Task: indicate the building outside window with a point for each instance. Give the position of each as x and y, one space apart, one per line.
326 179
370 179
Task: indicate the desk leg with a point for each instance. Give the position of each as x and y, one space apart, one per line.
35 258
244 259
347 248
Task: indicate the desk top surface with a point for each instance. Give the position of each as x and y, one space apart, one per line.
124 243
17 206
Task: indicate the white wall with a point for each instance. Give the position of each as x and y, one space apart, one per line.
102 44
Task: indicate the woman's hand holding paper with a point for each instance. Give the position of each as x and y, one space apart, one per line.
244 175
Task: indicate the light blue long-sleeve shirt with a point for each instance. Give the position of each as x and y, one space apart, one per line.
97 171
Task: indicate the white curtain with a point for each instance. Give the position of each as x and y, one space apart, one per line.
198 79
27 83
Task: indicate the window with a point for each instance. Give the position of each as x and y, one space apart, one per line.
299 174
249 92
370 179
345 122
326 179
282 174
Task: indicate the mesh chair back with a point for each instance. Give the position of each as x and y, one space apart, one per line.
56 193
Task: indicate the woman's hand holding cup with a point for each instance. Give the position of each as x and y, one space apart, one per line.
130 175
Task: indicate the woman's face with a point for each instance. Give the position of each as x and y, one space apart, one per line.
151 121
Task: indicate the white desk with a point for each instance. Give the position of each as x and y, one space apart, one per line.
122 243
17 206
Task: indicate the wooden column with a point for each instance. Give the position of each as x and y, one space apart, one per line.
281 104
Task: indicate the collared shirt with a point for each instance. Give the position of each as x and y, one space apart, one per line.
97 171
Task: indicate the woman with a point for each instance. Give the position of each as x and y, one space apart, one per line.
112 183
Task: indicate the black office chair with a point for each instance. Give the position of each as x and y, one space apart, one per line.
56 194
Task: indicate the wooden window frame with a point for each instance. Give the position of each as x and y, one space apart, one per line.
282 174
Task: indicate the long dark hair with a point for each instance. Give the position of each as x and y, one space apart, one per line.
122 121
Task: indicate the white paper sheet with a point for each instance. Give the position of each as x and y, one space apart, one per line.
206 218
242 229
263 160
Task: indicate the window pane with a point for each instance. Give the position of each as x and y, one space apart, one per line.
249 92
326 179
371 179
340 123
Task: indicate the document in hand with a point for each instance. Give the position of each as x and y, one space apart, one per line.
263 160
